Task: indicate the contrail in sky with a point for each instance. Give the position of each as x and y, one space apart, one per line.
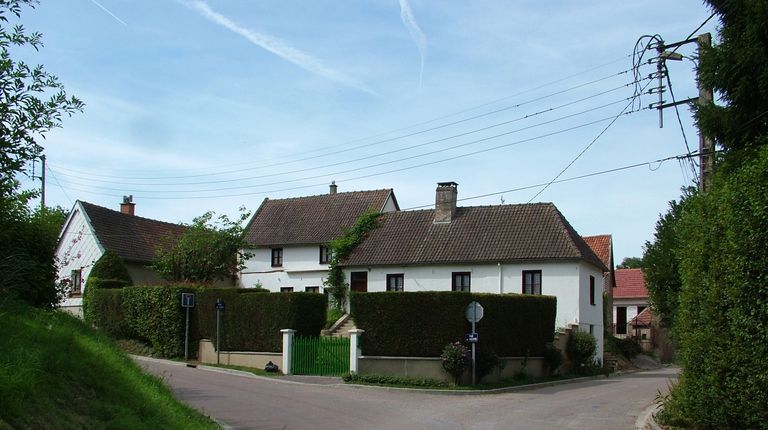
110 13
406 14
280 48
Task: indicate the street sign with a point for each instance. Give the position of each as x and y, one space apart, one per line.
220 304
474 312
472 337
188 300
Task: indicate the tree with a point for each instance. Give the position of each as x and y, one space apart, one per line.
209 250
631 263
28 110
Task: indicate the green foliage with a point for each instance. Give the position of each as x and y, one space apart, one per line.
407 324
627 347
341 247
27 242
209 250
662 272
111 267
332 315
485 361
57 372
26 117
154 314
398 381
553 358
455 358
252 321
722 329
107 313
631 263
581 350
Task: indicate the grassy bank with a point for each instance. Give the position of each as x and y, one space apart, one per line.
55 372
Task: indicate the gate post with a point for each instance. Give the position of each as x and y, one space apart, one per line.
287 349
354 341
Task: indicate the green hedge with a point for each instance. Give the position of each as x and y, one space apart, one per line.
420 324
251 321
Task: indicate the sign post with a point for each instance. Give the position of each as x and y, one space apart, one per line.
187 301
474 313
219 308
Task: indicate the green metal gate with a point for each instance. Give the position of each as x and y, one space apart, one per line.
325 356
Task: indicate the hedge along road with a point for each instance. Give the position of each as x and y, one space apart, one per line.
258 403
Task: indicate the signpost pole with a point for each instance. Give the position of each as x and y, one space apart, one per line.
474 310
218 332
186 338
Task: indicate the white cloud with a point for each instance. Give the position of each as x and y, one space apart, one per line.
280 48
409 20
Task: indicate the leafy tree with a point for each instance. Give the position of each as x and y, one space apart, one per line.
111 266
210 249
33 100
631 263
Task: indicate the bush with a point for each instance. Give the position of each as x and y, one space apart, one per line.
407 324
111 266
553 358
455 359
627 347
155 314
108 313
485 361
402 381
581 349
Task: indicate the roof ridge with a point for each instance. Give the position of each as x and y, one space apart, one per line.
328 194
131 216
585 251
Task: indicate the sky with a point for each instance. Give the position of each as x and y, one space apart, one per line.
213 105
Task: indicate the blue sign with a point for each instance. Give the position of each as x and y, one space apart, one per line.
188 300
220 304
472 338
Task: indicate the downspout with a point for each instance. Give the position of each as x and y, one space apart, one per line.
501 283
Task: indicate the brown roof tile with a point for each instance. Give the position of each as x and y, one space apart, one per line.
476 234
310 220
601 246
630 283
133 238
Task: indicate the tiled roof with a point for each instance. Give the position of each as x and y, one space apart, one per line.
644 318
310 220
601 246
133 238
630 283
476 234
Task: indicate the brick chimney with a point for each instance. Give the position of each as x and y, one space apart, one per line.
333 187
128 206
445 202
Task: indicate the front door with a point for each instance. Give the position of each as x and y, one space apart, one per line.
359 282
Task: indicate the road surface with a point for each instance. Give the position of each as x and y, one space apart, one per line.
259 403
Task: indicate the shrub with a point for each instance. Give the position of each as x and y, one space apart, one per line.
627 347
455 359
155 314
485 361
581 349
406 324
553 358
107 313
403 381
111 266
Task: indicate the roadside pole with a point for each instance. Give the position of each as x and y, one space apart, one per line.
219 308
187 301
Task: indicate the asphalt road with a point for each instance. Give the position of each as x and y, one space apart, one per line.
258 403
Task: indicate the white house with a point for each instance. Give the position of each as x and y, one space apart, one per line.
506 249
289 237
602 246
90 230
630 298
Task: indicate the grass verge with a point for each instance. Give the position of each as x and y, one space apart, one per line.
55 372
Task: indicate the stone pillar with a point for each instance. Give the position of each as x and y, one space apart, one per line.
287 347
354 351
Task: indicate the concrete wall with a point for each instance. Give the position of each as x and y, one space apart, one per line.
206 353
301 268
428 367
77 249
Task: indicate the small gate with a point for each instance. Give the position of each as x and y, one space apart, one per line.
324 356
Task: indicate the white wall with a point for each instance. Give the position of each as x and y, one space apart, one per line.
631 305
301 268
78 248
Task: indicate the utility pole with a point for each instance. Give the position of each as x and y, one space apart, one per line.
42 187
706 144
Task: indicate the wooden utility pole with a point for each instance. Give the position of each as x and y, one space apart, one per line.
42 187
706 144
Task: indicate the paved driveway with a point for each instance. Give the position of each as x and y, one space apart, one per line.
259 403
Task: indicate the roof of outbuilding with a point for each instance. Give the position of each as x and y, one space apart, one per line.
643 319
601 246
132 237
476 234
312 219
630 283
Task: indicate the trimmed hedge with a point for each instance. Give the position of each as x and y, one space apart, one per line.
251 320
420 324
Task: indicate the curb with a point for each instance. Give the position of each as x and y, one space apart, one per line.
646 420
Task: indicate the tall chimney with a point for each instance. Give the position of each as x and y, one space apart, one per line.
128 206
445 201
333 187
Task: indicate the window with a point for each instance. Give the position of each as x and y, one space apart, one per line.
592 329
592 290
621 320
395 282
286 289
532 282
325 254
461 281
640 309
311 289
277 257
76 278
